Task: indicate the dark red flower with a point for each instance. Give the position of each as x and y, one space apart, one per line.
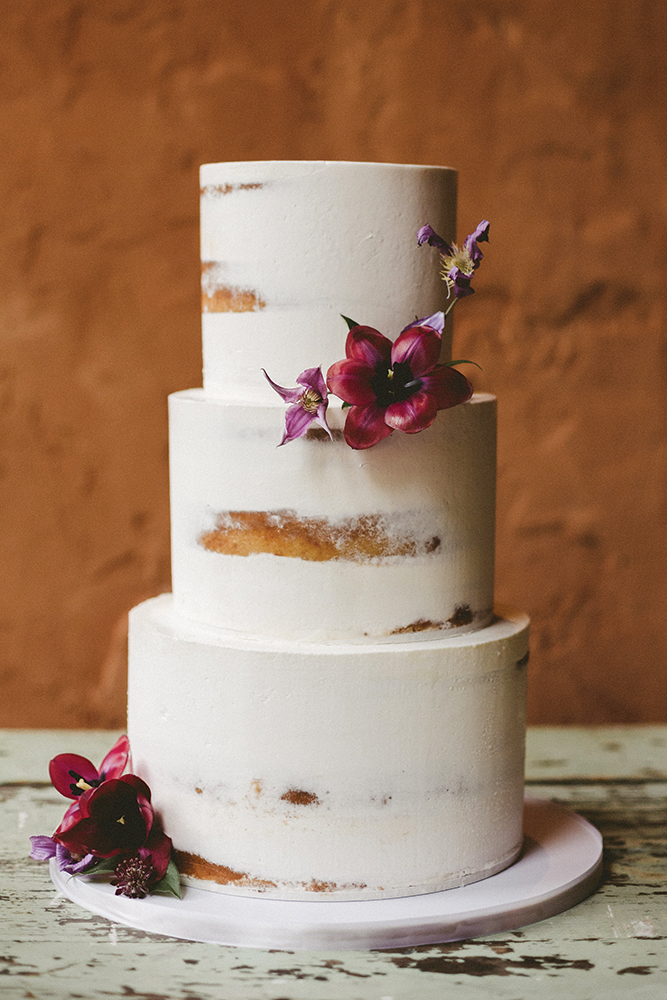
139 874
73 775
134 877
114 818
399 386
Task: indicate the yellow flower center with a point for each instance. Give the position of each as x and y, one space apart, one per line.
121 820
458 258
83 785
310 400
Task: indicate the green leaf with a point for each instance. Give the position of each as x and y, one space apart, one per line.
105 866
464 361
350 322
170 885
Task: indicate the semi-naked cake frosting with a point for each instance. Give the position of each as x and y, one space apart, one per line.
328 705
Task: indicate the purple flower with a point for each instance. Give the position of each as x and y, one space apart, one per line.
458 264
44 848
308 403
397 386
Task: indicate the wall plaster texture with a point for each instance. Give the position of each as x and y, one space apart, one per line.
555 116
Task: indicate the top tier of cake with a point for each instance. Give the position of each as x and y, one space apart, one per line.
287 247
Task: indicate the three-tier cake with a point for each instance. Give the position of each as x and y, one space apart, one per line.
327 706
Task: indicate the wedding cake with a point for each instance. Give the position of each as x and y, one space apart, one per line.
328 706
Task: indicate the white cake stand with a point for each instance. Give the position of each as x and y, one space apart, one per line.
560 865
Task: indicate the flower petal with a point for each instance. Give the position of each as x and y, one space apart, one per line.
289 395
366 344
350 380
481 234
72 815
66 863
313 378
321 418
143 793
419 346
115 761
365 426
428 235
448 386
413 414
461 284
158 849
68 768
297 422
42 848
436 322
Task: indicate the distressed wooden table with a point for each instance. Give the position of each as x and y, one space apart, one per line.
611 945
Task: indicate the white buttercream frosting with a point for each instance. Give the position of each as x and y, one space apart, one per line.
287 247
323 771
426 500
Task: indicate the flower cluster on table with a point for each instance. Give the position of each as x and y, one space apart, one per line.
390 386
110 830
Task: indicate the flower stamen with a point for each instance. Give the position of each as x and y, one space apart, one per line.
310 400
133 877
459 258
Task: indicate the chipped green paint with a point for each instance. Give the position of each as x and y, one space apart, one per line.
612 945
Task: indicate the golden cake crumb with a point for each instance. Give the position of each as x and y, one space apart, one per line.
297 797
315 539
197 867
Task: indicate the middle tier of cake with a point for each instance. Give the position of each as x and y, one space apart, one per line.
317 542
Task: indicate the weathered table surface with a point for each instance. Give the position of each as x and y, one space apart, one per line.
611 945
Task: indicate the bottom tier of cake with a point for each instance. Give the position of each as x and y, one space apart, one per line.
330 771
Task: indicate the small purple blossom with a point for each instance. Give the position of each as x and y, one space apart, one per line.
458 263
307 403
44 848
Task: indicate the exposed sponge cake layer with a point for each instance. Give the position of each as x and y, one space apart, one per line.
317 542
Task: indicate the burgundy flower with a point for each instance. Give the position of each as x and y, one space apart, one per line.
396 386
73 775
458 264
139 874
114 818
308 403
134 877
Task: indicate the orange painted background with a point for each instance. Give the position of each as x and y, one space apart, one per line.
555 114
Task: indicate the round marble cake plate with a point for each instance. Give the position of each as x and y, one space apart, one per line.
560 865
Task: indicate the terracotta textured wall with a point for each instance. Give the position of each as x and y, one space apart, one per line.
554 114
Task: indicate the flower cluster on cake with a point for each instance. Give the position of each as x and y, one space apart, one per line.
387 386
110 830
